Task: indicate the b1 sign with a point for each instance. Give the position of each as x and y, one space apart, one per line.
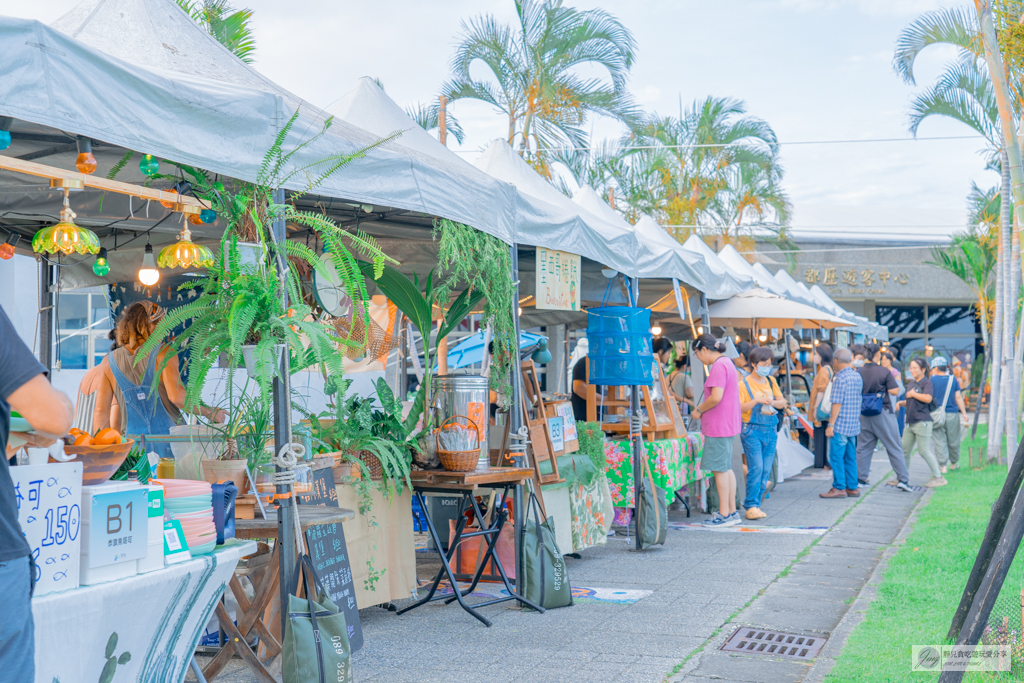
49 501
118 527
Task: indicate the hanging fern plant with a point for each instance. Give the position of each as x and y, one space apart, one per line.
478 261
242 304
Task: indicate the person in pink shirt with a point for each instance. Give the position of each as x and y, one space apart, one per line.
720 422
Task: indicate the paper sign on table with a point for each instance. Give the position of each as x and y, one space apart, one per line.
568 420
49 511
557 433
118 527
175 546
558 280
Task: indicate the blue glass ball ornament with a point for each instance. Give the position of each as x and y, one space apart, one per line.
208 215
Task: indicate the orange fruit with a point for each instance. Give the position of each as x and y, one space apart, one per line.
107 437
83 440
75 431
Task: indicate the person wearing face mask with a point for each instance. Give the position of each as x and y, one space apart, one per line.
760 401
920 392
742 359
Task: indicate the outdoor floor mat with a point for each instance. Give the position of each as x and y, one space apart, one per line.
741 529
585 594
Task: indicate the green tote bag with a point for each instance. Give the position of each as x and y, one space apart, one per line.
316 647
652 511
545 577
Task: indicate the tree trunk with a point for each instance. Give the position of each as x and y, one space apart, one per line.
995 353
1005 417
1011 380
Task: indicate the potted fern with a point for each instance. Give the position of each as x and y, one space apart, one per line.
240 310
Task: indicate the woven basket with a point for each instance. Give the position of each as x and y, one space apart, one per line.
372 463
457 461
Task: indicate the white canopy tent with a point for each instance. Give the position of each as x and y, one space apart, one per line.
762 277
660 255
547 218
141 75
727 281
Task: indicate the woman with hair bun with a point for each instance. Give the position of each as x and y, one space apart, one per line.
719 415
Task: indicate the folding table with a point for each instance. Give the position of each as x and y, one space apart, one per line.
467 484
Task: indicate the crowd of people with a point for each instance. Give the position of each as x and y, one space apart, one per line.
858 400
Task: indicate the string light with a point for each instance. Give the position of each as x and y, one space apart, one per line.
149 166
86 162
7 248
101 267
656 330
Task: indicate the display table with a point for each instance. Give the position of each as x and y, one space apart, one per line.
674 464
150 624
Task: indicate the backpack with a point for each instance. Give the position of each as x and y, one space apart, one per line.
825 405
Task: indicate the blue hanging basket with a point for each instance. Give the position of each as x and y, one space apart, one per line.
621 351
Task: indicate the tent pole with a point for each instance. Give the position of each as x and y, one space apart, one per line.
46 322
634 414
516 419
283 435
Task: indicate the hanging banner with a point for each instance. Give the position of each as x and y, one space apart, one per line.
558 280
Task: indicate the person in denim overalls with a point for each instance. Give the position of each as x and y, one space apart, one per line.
760 401
144 409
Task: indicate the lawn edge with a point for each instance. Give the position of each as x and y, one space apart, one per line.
857 611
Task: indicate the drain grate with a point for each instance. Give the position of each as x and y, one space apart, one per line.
774 643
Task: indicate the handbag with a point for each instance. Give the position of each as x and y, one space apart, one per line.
545 576
825 404
939 413
652 511
315 647
871 404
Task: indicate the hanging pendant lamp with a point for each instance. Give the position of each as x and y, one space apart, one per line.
66 237
185 254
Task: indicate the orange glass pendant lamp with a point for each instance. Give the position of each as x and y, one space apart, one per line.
66 237
185 253
7 248
86 162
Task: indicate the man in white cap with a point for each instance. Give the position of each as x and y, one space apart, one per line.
945 421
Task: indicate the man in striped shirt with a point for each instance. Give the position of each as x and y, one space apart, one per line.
844 426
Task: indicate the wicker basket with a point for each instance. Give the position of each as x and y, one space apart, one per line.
457 461
372 463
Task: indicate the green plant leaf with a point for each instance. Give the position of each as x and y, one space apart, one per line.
125 657
111 644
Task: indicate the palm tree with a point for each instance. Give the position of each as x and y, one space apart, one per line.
428 117
965 92
536 82
229 26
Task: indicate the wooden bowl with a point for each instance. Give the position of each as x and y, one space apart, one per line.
99 462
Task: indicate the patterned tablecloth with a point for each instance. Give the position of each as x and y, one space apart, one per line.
591 509
674 464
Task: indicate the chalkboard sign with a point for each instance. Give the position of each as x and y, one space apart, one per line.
324 492
329 553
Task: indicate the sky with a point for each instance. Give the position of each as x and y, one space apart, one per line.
816 70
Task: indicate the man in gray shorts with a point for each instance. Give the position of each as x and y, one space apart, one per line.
880 426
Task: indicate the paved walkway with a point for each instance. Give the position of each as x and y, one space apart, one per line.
693 593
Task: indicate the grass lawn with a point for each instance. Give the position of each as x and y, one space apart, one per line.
922 585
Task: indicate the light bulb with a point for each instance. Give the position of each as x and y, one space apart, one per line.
737 339
101 267
148 274
700 329
5 139
86 163
168 205
195 219
656 330
520 310
762 338
149 166
208 215
7 248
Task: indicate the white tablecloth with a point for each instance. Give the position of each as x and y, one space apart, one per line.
157 618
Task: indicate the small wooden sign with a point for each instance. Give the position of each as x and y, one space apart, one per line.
329 553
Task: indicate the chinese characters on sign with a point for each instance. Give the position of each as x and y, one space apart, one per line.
866 277
329 553
558 280
49 499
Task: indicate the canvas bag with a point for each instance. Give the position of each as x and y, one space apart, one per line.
939 413
545 578
825 405
315 647
652 511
